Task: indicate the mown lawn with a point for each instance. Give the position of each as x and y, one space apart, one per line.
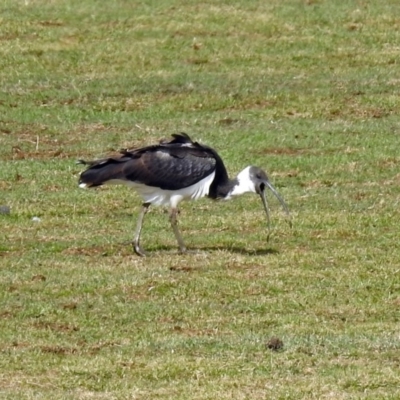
308 90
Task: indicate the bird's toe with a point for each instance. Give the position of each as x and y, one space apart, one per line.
138 250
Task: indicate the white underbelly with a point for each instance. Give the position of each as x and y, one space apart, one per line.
171 198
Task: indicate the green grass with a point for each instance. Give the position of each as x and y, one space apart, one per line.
307 90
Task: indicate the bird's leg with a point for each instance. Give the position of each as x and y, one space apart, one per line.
174 224
136 239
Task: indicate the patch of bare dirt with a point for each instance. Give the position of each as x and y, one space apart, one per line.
54 326
60 350
291 151
51 23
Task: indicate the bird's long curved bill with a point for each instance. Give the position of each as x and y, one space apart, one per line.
265 203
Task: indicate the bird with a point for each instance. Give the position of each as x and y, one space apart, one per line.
171 171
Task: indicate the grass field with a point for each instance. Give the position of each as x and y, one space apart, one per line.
308 90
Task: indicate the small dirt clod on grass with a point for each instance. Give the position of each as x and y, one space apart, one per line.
274 344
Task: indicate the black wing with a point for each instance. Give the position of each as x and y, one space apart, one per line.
170 166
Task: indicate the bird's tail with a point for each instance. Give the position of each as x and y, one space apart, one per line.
101 172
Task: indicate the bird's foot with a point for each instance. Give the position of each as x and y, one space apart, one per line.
138 250
183 250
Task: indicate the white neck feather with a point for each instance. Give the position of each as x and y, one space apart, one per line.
244 185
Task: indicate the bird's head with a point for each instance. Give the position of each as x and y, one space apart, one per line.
254 179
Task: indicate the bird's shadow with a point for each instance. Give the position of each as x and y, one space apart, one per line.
193 250
238 250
